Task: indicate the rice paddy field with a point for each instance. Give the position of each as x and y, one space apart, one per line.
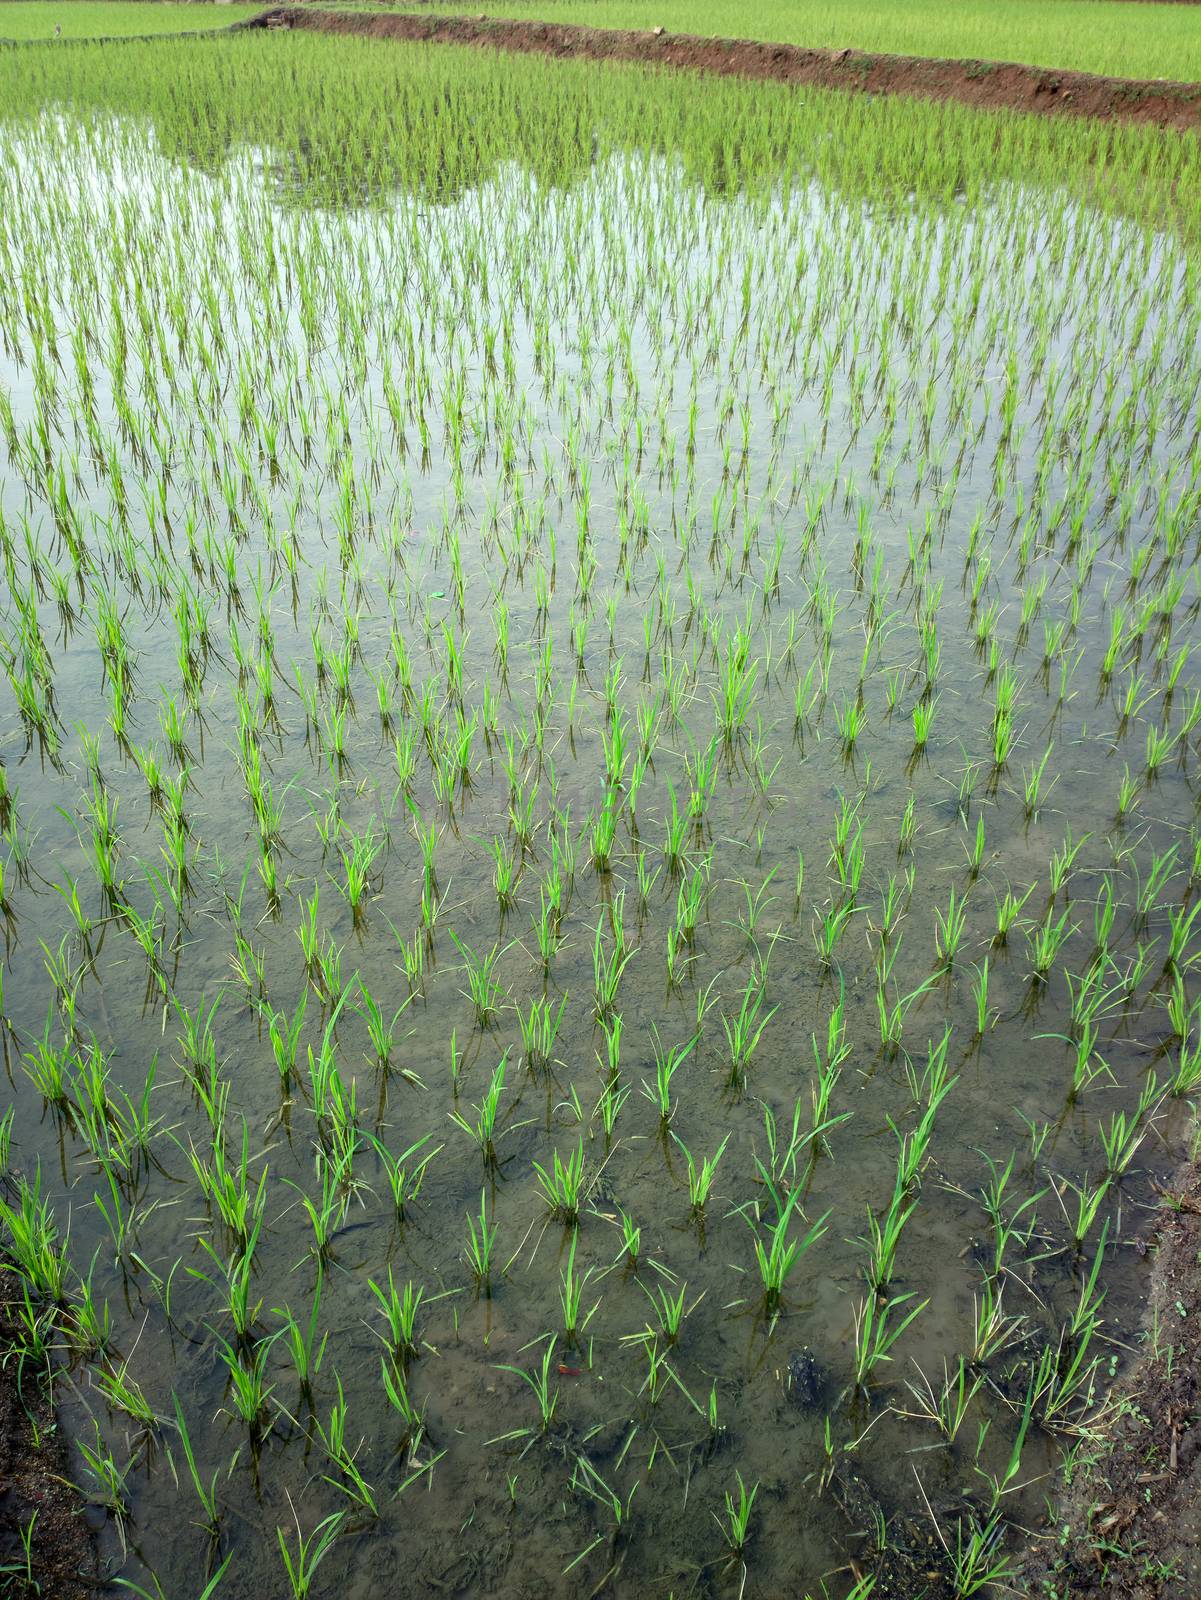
89 19
600 814
1128 39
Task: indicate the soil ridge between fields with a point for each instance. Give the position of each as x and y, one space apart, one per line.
1006 85
1129 1525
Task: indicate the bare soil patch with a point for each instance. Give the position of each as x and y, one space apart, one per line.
34 1482
1129 1528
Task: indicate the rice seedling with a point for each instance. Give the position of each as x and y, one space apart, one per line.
562 483
700 1178
876 1331
539 1028
948 930
831 923
32 1240
546 1395
1089 1198
947 1405
399 1310
978 1560
305 1351
246 1388
883 1237
404 1182
396 1391
745 1030
359 855
381 1029
572 1286
480 1245
777 1258
1045 941
206 1493
563 1185
484 1130
607 968
483 986
1032 783
667 1063
736 1527
108 1485
301 1565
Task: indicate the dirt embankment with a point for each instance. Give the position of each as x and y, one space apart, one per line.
43 1535
1129 1528
992 84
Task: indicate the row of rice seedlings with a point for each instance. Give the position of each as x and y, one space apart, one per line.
497 602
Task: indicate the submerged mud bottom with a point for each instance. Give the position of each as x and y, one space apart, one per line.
45 1546
988 84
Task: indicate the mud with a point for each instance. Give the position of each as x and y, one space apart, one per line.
34 1483
1129 1528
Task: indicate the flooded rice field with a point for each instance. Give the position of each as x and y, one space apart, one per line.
599 813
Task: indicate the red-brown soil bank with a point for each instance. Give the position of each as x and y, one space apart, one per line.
991 84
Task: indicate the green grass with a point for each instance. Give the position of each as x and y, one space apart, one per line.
1125 39
98 19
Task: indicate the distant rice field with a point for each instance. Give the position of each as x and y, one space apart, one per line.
1107 36
94 19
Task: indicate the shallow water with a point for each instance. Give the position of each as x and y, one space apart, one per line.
582 333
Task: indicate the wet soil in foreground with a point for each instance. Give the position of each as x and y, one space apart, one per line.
1129 1527
34 1481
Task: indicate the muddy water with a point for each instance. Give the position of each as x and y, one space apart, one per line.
600 321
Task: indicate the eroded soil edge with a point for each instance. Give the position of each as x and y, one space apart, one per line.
1129 1525
989 84
43 1532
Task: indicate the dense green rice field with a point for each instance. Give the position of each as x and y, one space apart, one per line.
600 863
91 19
1107 36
